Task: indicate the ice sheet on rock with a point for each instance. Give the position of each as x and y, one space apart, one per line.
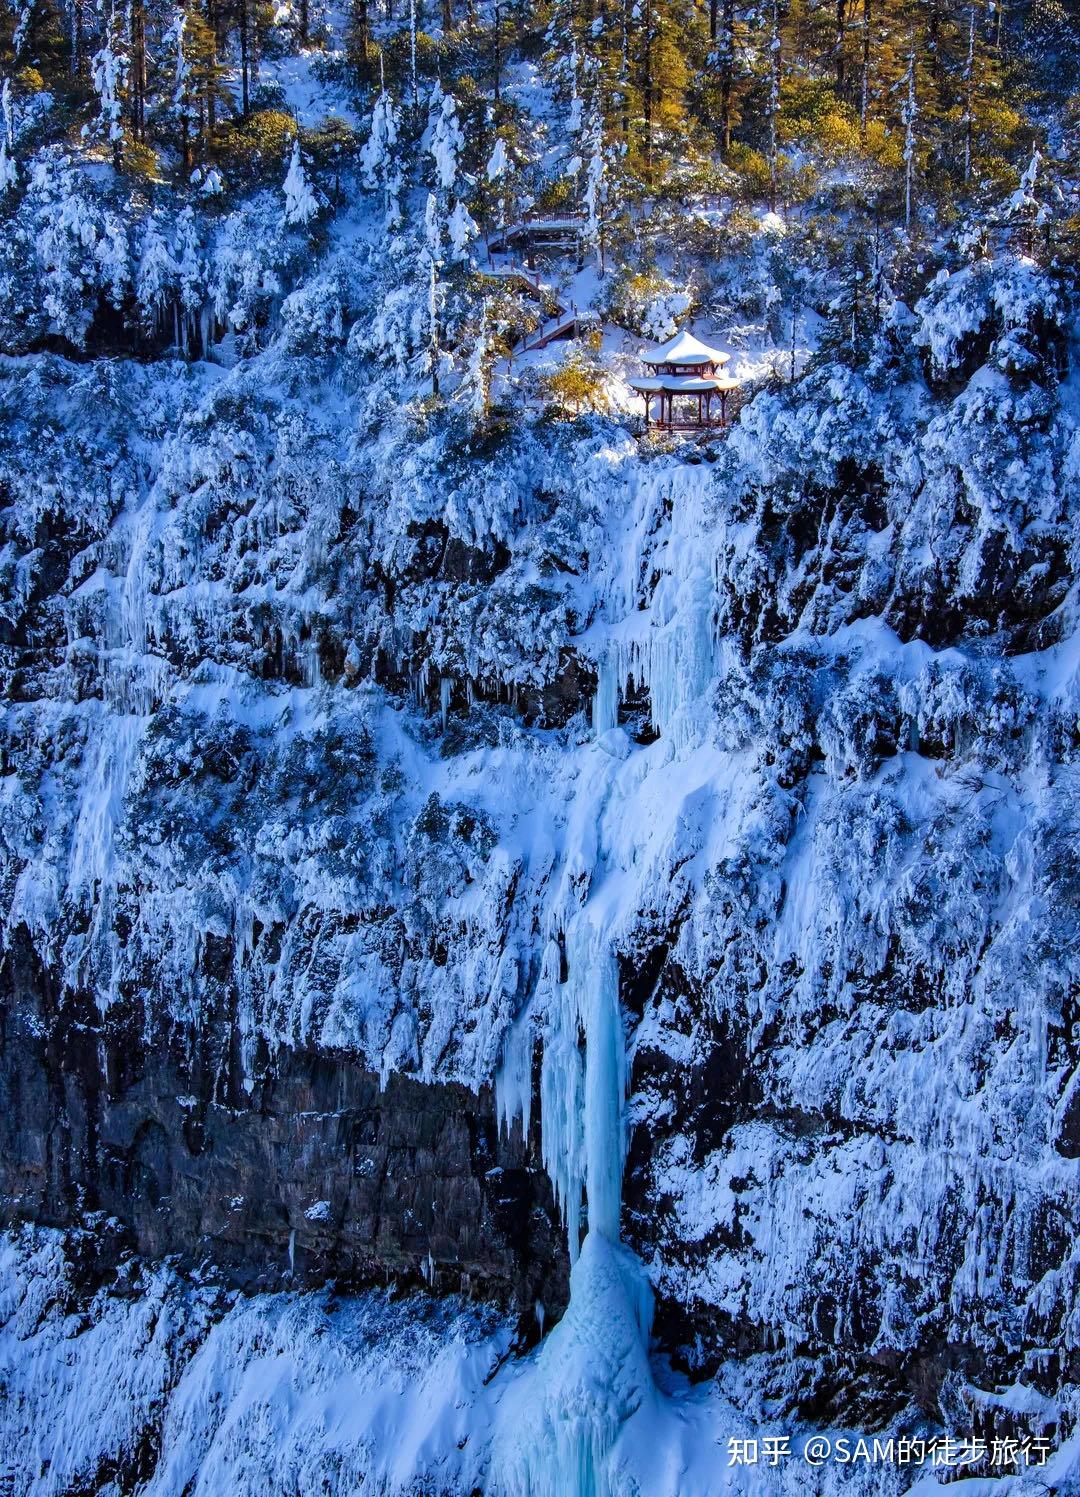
560 1418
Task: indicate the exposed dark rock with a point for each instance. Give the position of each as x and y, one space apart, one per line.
309 1172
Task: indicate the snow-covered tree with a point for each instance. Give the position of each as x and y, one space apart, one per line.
909 114
445 139
113 255
445 142
498 177
8 174
190 278
498 161
23 10
412 53
775 51
461 230
183 103
476 383
379 159
595 196
155 278
300 202
109 71
573 123
1024 202
82 253
430 266
1029 206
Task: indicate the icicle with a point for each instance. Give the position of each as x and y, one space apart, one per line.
605 708
445 684
311 667
559 1423
513 1080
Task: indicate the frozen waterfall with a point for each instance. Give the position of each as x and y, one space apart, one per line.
559 1420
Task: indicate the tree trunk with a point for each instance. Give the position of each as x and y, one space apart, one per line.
727 74
969 97
933 38
78 40
624 72
647 81
864 103
774 100
841 17
245 65
138 70
213 16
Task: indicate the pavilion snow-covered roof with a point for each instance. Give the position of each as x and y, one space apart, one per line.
682 384
684 348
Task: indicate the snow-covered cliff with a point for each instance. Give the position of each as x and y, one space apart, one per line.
403 824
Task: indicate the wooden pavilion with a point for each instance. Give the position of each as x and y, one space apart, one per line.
687 375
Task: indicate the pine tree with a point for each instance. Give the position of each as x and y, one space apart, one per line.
300 202
498 172
378 160
109 71
359 44
155 279
909 116
7 112
8 174
203 79
190 279
725 61
184 104
775 59
595 196
666 42
431 264
138 73
446 139
476 384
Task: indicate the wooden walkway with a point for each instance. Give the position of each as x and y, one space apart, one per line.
534 231
565 324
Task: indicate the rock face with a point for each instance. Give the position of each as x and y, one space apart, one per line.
317 1174
316 747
